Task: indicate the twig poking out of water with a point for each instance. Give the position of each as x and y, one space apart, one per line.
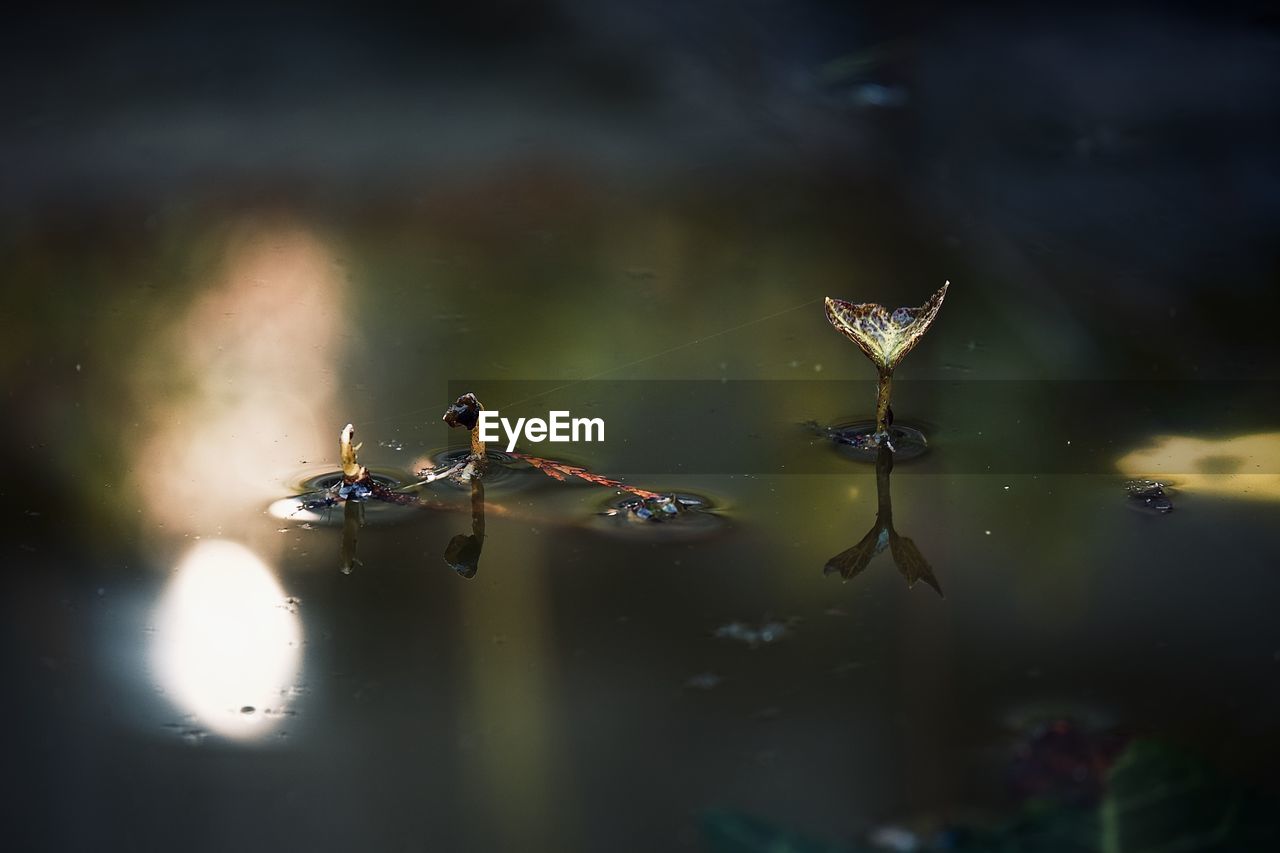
465 412
352 470
356 481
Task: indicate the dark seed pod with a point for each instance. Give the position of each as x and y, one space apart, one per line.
465 412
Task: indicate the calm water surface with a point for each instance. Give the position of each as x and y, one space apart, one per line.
223 239
181 657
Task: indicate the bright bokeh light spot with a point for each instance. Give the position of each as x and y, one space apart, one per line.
226 641
1242 467
239 387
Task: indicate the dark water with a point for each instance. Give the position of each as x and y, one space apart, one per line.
189 667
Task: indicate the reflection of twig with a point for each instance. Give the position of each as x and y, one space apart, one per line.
352 521
906 556
463 551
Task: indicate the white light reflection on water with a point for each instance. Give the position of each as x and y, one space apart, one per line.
227 643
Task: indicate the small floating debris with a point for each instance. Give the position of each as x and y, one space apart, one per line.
703 681
1149 495
878 95
768 632
894 838
657 508
676 514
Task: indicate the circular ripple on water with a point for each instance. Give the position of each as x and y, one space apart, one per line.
852 441
503 474
635 518
310 505
329 479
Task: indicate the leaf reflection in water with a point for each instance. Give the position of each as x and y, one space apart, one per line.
910 562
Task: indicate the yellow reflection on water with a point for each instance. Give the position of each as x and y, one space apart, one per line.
508 648
239 388
1243 467
227 646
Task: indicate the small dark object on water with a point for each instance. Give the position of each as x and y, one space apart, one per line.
1149 494
659 508
465 412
